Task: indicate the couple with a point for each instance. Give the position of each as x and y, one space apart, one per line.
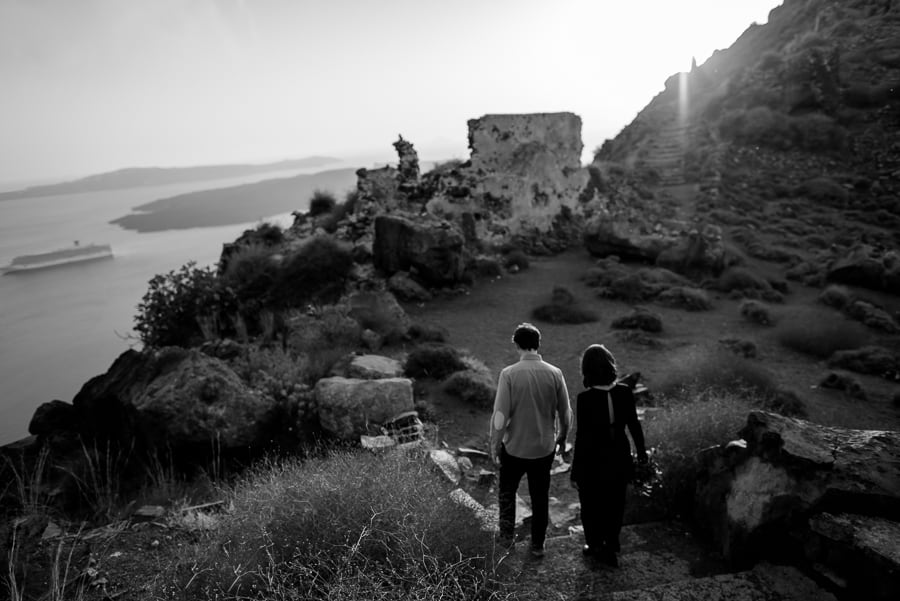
531 395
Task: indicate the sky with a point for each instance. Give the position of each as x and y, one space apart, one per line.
88 86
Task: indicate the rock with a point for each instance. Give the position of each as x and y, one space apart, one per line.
225 349
859 267
407 289
606 236
374 367
465 465
51 531
377 443
347 406
699 254
176 399
638 319
487 519
148 513
408 167
430 246
849 385
446 463
52 417
863 549
874 317
758 499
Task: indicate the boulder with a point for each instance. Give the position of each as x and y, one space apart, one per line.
431 247
173 398
55 416
861 266
374 367
699 254
605 236
348 405
406 288
763 498
379 311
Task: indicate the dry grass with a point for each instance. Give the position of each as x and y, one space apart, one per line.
819 332
349 526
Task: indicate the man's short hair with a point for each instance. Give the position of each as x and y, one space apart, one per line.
527 337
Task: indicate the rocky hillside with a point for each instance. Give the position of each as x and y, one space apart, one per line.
788 139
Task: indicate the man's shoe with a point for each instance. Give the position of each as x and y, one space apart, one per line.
537 551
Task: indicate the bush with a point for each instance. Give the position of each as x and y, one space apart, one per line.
741 347
251 272
434 361
475 387
824 190
711 370
639 319
787 403
563 308
426 333
321 203
875 360
516 260
756 312
349 526
171 310
323 339
819 332
316 272
741 279
680 431
684 297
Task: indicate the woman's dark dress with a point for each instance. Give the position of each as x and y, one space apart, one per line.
602 465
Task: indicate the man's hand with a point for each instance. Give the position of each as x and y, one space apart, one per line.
495 457
560 447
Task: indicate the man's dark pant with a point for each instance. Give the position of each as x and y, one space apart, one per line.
538 471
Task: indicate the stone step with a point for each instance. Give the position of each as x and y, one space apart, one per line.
652 554
765 582
659 560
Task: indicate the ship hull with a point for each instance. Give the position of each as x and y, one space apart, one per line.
100 254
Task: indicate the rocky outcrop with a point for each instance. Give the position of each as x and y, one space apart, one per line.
429 248
374 367
792 486
347 406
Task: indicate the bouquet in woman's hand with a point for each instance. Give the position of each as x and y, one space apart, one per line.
647 474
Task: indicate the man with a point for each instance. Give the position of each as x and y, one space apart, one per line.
531 395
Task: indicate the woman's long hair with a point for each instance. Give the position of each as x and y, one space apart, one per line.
598 366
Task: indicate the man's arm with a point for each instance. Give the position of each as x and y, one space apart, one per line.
564 411
500 415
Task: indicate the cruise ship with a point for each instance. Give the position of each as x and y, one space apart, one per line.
74 254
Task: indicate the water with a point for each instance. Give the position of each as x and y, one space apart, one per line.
62 326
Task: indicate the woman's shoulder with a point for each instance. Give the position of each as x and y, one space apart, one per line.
622 390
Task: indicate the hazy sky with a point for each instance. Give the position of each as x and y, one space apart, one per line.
95 85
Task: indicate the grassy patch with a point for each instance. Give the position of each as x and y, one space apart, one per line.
350 526
819 332
718 371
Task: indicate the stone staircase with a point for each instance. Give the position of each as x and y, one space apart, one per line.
659 561
665 154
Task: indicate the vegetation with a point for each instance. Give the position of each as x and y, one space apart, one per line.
764 126
474 385
563 308
321 203
315 273
169 311
348 526
756 312
819 332
695 374
434 361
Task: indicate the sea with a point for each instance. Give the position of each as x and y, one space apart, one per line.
61 326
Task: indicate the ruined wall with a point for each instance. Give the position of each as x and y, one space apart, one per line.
522 171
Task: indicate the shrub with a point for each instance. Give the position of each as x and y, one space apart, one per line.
875 360
516 259
316 272
684 297
381 313
170 312
680 431
563 308
251 272
786 402
741 347
321 203
845 384
824 190
434 361
741 279
819 332
756 312
835 296
348 526
694 373
426 333
639 319
817 132
323 338
471 386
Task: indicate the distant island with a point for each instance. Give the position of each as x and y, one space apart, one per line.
235 204
138 177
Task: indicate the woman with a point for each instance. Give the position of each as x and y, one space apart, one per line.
602 465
